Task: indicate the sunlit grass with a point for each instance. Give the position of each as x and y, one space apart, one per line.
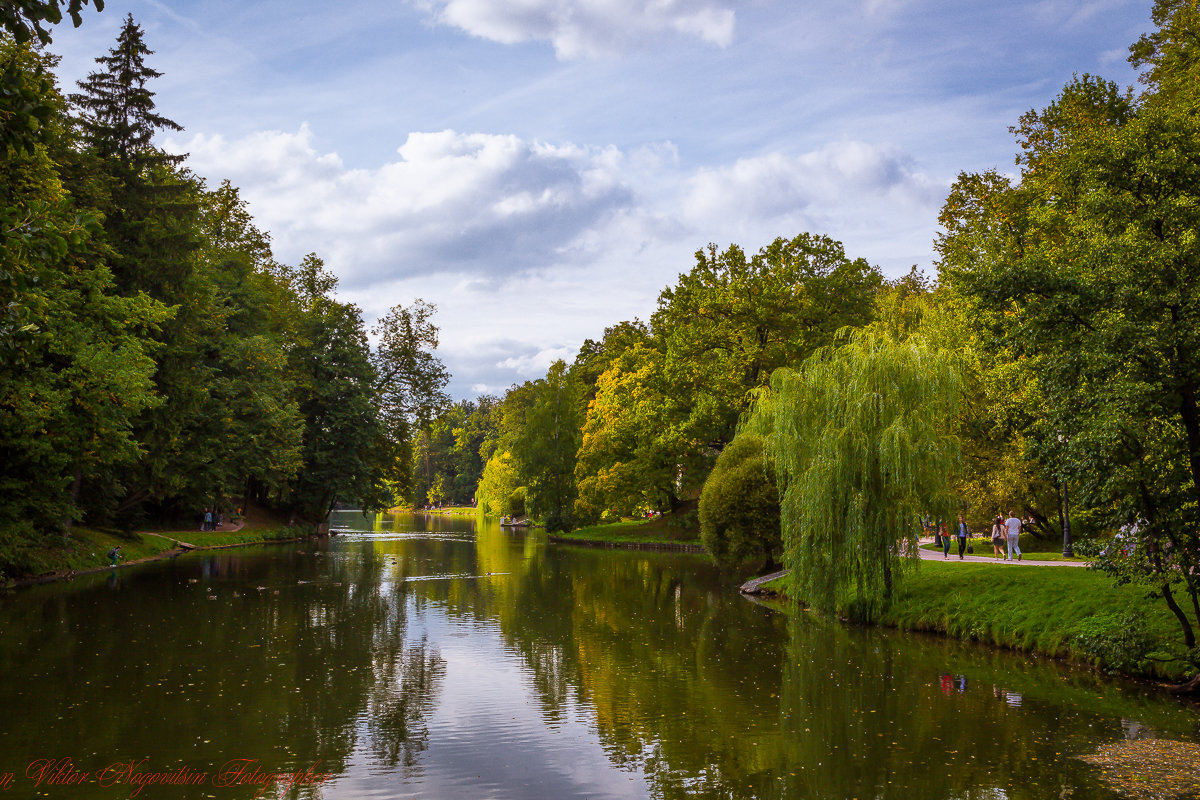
659 530
1037 609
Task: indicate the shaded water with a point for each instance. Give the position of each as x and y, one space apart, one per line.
420 657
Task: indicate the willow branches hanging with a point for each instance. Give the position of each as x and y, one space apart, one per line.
862 440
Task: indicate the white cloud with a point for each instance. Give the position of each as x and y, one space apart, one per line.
453 202
534 365
527 248
776 185
587 28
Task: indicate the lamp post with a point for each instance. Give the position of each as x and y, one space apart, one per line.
1066 512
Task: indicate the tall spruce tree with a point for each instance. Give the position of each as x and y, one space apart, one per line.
119 119
152 217
153 231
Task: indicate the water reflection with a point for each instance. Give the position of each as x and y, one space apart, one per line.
422 657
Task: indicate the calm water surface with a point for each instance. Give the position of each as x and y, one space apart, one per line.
423 657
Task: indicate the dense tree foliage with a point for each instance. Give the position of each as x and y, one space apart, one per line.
1087 268
739 507
862 438
156 358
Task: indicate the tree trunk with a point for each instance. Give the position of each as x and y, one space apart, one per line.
887 574
1189 636
72 497
1190 687
1191 424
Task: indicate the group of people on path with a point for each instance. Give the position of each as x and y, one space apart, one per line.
211 519
1006 533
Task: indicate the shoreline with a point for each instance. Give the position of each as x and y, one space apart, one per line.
174 552
682 547
934 607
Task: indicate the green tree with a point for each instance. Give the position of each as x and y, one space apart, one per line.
24 18
75 370
548 445
153 237
739 507
629 454
499 486
731 321
345 443
409 386
1090 268
251 423
119 120
862 438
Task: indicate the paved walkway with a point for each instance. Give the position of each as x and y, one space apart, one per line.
936 555
229 528
753 586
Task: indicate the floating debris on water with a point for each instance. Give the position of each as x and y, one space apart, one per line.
1150 769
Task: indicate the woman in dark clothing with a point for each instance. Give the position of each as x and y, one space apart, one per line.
962 537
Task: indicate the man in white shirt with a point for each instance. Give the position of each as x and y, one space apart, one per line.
1013 524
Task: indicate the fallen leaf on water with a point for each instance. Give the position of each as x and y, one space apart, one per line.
1150 769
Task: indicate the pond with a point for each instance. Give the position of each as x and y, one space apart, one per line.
428 657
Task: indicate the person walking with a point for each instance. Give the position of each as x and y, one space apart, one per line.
962 537
113 555
945 534
998 536
1013 526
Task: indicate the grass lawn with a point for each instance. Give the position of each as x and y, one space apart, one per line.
1039 609
659 530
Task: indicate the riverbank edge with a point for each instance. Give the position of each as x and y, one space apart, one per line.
908 615
268 537
681 547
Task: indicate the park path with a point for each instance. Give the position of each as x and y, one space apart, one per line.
936 555
753 585
231 528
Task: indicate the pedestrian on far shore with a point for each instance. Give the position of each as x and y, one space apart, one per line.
962 537
1013 524
998 536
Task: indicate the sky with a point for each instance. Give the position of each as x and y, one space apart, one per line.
542 169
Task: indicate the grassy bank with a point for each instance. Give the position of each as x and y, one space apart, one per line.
666 530
87 549
1068 613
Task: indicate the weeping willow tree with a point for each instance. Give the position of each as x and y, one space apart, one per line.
862 438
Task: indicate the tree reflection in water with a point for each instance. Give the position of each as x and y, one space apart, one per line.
404 694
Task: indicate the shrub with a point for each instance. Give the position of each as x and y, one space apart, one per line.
739 506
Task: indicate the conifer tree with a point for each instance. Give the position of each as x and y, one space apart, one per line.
119 120
153 233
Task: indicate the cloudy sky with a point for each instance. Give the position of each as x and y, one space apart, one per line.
541 169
